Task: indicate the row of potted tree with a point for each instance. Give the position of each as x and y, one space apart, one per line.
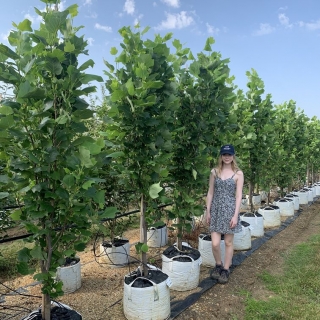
152 141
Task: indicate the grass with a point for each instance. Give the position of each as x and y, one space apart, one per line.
9 259
296 292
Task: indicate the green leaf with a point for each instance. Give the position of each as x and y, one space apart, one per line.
23 268
109 213
87 64
145 30
4 195
24 255
144 247
15 215
117 95
4 179
8 52
90 77
69 180
5 110
25 25
194 173
55 20
130 87
208 44
113 51
36 252
115 154
54 66
99 197
85 157
88 184
177 44
81 246
154 190
73 10
69 47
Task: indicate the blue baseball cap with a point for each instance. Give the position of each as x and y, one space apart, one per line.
227 149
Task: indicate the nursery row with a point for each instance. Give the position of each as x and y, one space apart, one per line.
152 140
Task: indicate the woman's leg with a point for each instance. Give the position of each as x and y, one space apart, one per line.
228 241
215 240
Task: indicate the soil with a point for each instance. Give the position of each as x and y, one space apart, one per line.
100 296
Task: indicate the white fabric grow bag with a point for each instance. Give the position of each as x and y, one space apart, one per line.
70 277
286 207
242 240
150 303
264 195
184 275
295 199
256 224
256 199
271 216
244 204
115 256
157 237
310 193
314 191
205 249
303 196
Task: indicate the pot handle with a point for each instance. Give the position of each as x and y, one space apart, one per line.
155 288
183 256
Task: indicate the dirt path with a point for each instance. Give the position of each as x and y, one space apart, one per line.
222 301
101 292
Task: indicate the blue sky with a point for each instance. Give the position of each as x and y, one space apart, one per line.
280 39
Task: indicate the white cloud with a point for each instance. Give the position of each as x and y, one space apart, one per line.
4 37
176 21
87 2
104 28
172 3
129 7
284 20
138 20
29 17
312 25
92 15
90 41
211 29
264 29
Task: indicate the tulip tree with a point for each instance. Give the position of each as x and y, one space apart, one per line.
142 96
50 158
285 144
313 148
254 117
205 98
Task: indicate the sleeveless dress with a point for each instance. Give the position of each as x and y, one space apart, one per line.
223 206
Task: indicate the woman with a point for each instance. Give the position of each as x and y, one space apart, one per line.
223 207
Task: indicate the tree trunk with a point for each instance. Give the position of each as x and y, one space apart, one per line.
251 186
143 235
46 307
179 240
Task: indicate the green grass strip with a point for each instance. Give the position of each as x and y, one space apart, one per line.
295 292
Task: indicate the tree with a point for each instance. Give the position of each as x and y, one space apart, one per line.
142 96
255 118
205 99
50 158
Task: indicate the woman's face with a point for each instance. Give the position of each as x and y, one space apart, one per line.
227 158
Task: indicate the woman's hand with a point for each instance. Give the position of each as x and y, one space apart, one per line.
208 218
234 221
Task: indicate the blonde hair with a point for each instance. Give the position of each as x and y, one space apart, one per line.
234 165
